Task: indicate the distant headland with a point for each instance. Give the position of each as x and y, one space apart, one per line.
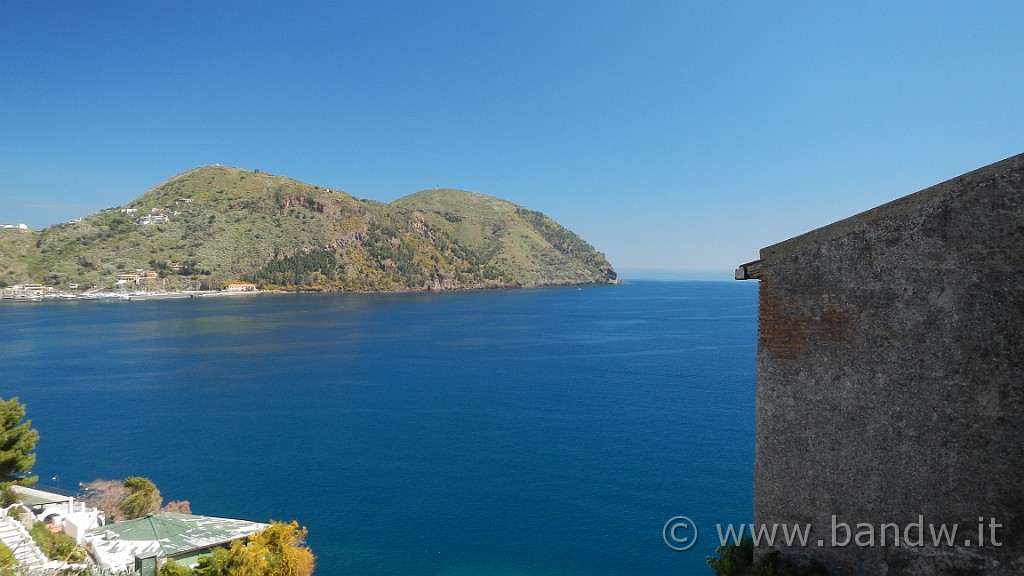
217 227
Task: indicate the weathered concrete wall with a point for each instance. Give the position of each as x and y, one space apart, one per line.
890 378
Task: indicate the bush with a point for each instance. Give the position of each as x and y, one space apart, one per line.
738 560
107 495
7 561
178 507
733 559
56 546
172 568
8 497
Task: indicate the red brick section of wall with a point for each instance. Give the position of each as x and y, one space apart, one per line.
783 333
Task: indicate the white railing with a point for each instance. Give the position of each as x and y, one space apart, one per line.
24 548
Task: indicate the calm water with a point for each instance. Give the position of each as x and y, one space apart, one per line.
530 433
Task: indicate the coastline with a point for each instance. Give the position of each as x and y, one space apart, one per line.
110 296
40 293
129 296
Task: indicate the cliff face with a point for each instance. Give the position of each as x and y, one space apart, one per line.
889 386
217 224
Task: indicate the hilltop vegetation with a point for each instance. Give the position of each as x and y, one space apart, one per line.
215 224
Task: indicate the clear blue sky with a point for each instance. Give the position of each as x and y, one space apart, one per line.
676 135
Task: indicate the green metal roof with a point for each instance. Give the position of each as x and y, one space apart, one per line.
170 534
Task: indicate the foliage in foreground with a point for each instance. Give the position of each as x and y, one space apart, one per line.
56 546
738 560
280 550
7 561
17 444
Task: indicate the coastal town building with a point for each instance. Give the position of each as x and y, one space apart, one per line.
60 508
26 292
142 545
150 220
240 287
137 546
59 511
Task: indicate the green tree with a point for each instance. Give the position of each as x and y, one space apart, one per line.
17 445
143 499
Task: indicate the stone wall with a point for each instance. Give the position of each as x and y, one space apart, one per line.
890 380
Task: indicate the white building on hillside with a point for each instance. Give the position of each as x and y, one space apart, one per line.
62 510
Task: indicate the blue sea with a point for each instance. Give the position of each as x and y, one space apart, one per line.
542 432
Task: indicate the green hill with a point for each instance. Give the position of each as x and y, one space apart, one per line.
513 238
217 224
